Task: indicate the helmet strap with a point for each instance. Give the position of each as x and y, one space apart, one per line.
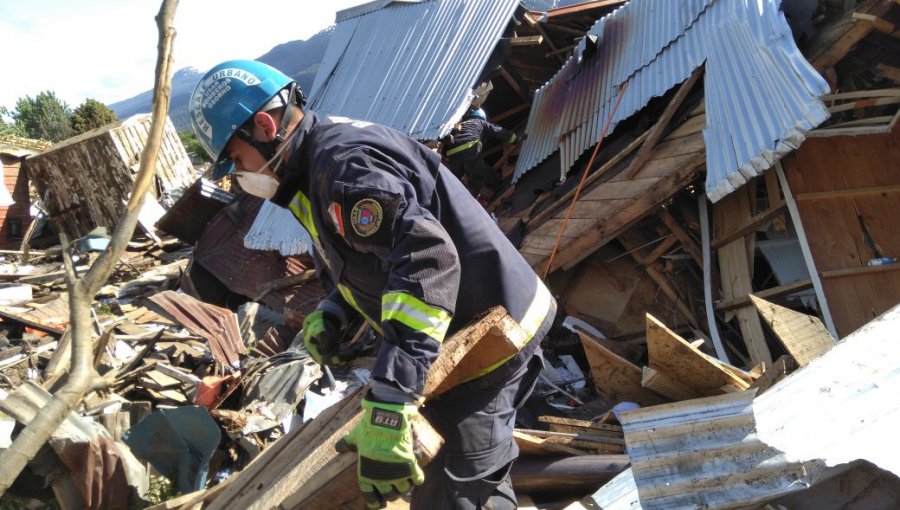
268 149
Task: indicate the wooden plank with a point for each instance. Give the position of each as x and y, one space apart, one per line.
888 71
571 425
730 214
529 40
749 226
656 131
782 368
843 193
690 246
661 249
578 439
773 292
666 386
473 349
689 127
608 229
677 359
803 336
614 376
532 445
855 271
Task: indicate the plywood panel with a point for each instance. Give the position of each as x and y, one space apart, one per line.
836 239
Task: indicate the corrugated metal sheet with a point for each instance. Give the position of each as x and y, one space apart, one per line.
188 216
843 406
619 494
705 453
218 325
221 251
409 65
759 103
276 228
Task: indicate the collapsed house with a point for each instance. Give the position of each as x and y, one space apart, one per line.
706 188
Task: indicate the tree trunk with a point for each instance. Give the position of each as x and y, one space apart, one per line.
82 291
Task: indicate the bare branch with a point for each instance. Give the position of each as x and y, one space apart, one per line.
83 376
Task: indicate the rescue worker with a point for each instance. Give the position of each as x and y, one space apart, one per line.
401 242
462 148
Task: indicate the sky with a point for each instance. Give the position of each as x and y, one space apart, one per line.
106 49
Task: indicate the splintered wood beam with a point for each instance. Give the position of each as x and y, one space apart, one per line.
680 361
509 113
735 262
614 376
803 336
750 225
531 40
660 250
882 25
682 235
560 51
774 292
888 71
540 28
513 84
656 131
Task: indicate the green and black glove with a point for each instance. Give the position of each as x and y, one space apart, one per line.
322 338
387 467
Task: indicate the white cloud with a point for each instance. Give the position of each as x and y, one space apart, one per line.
106 49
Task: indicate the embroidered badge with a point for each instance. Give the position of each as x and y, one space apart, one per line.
366 217
334 210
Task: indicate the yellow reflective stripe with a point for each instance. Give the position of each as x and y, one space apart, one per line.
415 313
302 209
348 297
461 148
534 317
512 139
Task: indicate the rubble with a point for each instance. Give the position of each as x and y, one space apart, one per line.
735 354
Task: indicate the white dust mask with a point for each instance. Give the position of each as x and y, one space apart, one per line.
258 185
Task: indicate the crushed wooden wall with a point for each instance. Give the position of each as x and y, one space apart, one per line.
85 181
15 218
848 194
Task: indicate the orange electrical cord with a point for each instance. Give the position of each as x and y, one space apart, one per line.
587 169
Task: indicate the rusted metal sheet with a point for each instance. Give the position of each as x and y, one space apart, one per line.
187 218
218 325
85 181
248 272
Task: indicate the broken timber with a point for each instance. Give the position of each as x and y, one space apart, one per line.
303 469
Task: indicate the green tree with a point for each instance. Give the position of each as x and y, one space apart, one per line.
194 149
45 117
7 124
91 115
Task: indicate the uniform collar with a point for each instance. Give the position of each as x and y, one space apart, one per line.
296 172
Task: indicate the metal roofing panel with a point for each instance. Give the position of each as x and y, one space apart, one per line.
276 228
842 406
705 453
759 103
409 65
218 325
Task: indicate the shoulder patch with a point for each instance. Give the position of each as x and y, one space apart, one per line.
366 217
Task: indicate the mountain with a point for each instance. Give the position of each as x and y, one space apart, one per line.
298 59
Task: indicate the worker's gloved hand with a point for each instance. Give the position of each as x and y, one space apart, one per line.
387 467
322 338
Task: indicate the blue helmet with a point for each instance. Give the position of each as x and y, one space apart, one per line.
225 98
476 113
